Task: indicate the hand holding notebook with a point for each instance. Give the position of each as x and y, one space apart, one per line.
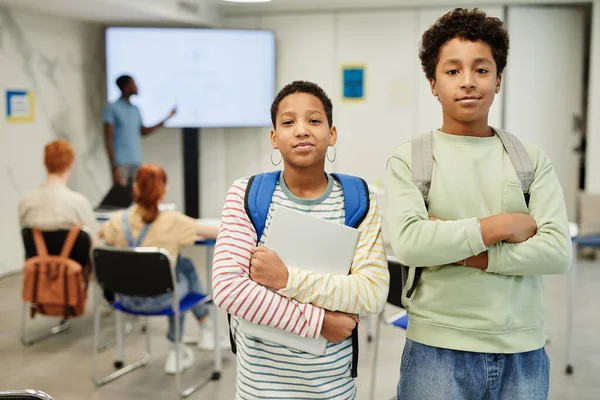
305 241
267 268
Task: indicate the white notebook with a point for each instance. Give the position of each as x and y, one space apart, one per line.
305 241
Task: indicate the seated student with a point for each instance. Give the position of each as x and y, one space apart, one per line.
53 205
144 225
481 243
252 283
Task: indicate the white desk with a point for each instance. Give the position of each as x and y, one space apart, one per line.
104 214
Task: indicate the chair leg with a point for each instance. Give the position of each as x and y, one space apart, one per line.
178 346
369 319
571 311
216 375
112 341
122 370
375 356
119 339
63 326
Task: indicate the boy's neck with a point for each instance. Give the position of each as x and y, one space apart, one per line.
306 183
475 128
57 179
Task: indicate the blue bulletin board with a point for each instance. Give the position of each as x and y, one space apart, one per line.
353 82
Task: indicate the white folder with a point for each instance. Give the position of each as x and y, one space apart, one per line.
309 242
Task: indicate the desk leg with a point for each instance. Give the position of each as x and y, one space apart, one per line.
210 250
571 310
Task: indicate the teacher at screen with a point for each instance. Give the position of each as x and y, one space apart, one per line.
123 129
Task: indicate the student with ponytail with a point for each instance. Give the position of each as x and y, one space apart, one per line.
144 225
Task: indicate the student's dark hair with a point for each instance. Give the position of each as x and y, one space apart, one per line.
122 81
303 87
472 25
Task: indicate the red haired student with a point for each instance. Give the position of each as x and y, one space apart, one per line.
144 225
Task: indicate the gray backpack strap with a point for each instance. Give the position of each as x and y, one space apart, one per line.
519 159
422 162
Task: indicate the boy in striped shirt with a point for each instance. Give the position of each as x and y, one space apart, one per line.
305 303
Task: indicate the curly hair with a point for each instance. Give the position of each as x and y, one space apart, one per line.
58 156
472 25
303 87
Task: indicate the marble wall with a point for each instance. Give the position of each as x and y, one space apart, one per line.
62 62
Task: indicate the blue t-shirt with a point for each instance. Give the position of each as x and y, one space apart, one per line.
127 122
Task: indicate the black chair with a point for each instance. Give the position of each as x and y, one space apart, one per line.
399 320
54 242
119 270
24 395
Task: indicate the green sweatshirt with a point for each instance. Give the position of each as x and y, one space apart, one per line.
499 310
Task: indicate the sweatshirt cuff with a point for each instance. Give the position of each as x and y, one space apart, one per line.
494 259
474 236
289 290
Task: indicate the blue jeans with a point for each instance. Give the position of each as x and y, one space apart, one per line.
440 374
187 282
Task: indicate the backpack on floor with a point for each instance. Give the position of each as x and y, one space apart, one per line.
422 170
257 201
54 285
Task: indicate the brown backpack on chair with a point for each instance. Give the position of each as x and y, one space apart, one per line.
54 285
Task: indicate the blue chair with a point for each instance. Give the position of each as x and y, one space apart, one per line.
589 241
118 270
399 320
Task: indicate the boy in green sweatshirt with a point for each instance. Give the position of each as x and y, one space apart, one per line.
480 241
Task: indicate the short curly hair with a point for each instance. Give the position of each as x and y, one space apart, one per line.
58 156
303 87
472 25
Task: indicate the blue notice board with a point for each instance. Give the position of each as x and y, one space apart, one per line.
20 106
353 82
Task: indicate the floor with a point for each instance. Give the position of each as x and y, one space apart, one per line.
61 365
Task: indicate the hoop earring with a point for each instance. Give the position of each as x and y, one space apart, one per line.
273 162
334 154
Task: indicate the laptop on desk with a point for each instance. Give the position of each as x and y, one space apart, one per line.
118 197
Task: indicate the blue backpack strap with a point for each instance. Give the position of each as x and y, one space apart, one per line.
142 235
356 206
257 199
131 242
127 229
356 198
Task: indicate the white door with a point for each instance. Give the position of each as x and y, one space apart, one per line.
543 86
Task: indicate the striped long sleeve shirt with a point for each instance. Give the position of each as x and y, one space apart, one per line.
270 371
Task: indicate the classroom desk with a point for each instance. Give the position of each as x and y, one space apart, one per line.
103 214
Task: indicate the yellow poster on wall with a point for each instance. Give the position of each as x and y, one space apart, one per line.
20 106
